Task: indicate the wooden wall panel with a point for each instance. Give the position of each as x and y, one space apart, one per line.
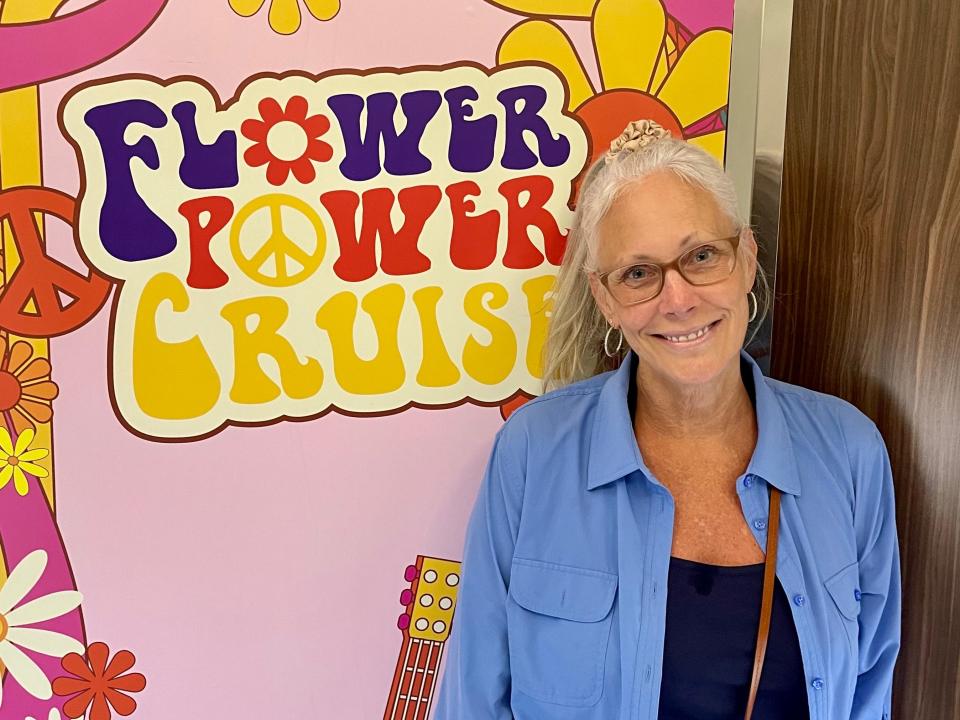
868 281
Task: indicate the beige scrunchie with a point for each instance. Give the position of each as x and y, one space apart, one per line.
637 134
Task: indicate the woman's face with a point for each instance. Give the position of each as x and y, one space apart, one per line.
656 220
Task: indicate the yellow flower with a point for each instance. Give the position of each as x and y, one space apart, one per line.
284 16
650 67
15 461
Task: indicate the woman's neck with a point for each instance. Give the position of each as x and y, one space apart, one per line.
712 410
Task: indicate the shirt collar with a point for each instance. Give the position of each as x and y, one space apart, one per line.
613 446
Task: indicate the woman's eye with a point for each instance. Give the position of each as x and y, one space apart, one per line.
704 253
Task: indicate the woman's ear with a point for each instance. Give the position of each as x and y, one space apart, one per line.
749 242
601 296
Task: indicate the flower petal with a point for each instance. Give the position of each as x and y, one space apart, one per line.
316 125
121 662
25 671
253 129
76 664
45 607
98 653
277 172
123 704
20 352
20 481
257 155
38 368
22 579
544 41
270 110
714 143
698 83
47 642
42 390
77 706
296 110
285 16
6 472
553 8
303 170
323 9
319 150
246 8
23 441
100 709
35 454
41 412
38 471
6 442
21 421
134 682
69 685
628 35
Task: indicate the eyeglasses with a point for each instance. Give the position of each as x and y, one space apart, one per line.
705 264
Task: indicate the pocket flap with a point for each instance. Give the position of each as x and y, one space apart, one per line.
844 587
562 591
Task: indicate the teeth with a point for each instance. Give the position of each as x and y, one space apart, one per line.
687 338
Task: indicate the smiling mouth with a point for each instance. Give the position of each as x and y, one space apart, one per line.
688 337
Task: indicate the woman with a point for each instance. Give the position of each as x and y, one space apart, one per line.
614 561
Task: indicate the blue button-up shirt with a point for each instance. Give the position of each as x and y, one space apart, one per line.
562 604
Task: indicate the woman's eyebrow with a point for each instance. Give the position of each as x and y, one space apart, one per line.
688 240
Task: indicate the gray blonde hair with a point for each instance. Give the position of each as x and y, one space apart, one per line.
574 345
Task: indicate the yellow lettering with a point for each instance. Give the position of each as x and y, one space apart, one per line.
436 367
384 373
540 308
251 385
491 363
171 381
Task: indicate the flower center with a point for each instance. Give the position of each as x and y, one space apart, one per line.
4 627
287 141
9 391
13 460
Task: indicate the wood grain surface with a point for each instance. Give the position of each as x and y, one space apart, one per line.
868 282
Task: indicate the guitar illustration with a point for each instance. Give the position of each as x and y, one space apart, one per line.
430 602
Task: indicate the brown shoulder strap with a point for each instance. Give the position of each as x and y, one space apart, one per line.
766 604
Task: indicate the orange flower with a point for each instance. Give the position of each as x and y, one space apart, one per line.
97 682
286 140
26 390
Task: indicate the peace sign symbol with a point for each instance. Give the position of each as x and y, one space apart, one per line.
39 277
278 245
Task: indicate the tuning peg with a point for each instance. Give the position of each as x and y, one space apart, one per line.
403 622
411 573
406 597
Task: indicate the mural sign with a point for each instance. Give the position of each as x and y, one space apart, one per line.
272 274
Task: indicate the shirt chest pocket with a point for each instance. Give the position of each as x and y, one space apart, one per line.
559 627
844 589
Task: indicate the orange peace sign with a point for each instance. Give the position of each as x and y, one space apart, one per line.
40 277
278 245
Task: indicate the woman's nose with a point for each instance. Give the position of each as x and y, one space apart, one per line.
677 297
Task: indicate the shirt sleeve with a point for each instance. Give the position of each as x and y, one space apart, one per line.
476 680
879 559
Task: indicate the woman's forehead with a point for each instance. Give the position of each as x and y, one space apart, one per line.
659 217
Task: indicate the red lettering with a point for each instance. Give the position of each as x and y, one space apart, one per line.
473 240
399 254
204 273
521 253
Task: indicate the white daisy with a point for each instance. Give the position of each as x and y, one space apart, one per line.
46 607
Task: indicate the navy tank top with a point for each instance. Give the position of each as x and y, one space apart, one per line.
710 639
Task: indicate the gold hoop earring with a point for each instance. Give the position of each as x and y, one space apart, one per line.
753 314
606 342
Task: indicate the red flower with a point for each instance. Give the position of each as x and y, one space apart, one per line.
303 145
97 682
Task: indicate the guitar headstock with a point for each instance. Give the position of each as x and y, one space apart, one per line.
431 598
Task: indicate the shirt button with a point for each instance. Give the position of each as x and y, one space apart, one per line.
760 524
799 600
748 481
856 594
817 683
